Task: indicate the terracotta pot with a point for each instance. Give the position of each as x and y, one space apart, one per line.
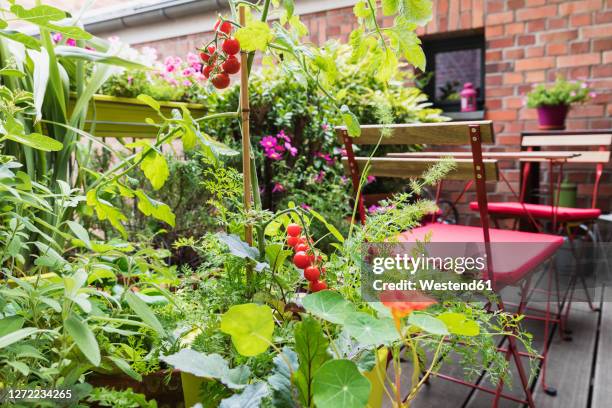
552 117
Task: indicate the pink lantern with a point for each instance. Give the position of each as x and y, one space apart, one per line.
468 98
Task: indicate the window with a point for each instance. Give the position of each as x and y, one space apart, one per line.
452 62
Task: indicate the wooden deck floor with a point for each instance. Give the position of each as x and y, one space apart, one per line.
580 370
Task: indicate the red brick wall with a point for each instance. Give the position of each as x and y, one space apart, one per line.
528 42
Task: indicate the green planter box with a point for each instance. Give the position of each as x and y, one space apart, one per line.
112 116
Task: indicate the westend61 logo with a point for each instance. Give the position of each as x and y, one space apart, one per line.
448 268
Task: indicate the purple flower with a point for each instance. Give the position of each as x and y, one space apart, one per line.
319 177
292 150
371 179
343 179
374 209
278 188
268 142
186 82
57 37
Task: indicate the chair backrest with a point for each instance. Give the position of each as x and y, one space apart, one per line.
472 134
598 157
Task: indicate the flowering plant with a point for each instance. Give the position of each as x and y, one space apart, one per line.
561 92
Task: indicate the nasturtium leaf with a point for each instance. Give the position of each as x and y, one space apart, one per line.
256 35
350 121
339 384
37 141
83 338
416 11
459 324
249 398
237 378
369 330
428 323
251 327
328 305
144 312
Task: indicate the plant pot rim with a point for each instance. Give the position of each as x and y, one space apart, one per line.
134 101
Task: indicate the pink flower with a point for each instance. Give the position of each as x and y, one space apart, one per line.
572 93
325 127
71 42
192 58
272 154
278 188
292 150
188 72
343 179
374 209
282 135
319 177
593 94
584 85
268 142
57 37
170 68
197 67
186 82
305 206
371 179
130 79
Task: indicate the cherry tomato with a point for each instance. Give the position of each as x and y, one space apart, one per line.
311 257
221 80
317 286
301 260
231 46
224 27
204 56
231 65
301 247
294 230
207 70
293 241
312 273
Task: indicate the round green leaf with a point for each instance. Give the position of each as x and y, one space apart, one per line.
328 305
369 330
339 384
428 323
251 327
459 324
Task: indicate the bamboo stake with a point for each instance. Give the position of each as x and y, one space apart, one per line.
246 138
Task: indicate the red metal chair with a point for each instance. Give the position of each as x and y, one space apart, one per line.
501 269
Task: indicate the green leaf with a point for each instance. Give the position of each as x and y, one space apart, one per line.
95 56
144 312
251 327
361 9
76 33
149 101
11 73
249 398
416 11
311 347
80 232
38 15
241 249
256 35
199 364
459 324
428 323
390 7
28 41
339 384
369 330
333 230
328 305
388 66
350 121
16 336
126 368
156 209
37 141
84 339
155 167
280 380
10 324
105 211
3 24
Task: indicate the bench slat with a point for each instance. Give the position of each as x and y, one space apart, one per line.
567 140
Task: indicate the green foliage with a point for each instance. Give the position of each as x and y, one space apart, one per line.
561 92
106 397
339 383
251 327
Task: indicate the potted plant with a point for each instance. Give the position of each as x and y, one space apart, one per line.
553 102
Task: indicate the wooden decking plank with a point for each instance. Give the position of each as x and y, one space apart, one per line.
602 391
570 363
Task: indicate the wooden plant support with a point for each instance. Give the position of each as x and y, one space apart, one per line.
246 138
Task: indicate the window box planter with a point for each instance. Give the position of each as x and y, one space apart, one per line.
112 116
